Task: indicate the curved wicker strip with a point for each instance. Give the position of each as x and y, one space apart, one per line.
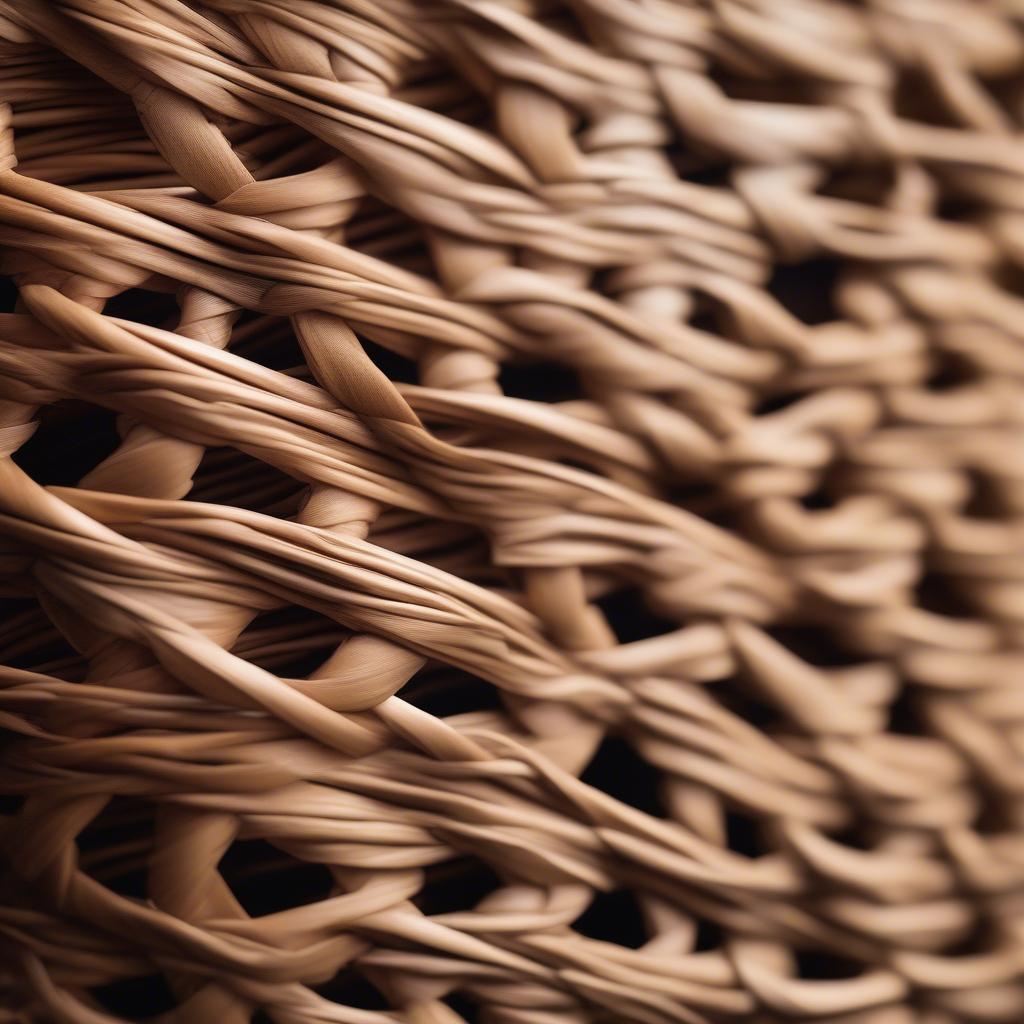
512 511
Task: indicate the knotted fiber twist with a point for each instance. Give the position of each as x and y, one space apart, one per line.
512 510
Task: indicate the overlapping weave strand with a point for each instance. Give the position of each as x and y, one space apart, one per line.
512 511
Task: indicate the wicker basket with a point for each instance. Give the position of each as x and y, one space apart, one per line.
512 511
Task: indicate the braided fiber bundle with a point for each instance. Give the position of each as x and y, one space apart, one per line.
512 510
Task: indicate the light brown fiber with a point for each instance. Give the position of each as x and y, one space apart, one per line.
512 511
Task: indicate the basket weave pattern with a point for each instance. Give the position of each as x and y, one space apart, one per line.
561 555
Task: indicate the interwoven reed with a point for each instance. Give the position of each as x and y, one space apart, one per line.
562 554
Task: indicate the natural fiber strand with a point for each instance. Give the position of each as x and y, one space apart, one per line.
512 510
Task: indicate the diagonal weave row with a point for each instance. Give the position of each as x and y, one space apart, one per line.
512 510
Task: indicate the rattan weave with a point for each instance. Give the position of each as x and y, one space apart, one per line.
561 554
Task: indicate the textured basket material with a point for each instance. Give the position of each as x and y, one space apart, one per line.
512 511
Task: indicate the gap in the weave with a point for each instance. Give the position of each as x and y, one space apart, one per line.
1008 275
456 885
618 917
915 98
950 370
986 499
226 476
72 437
618 770
777 401
114 847
29 640
291 641
1007 88
734 695
631 615
269 341
806 289
936 592
8 295
11 803
815 645
614 917
867 185
905 713
819 965
540 382
745 833
735 81
464 1005
144 306
136 998
443 691
350 987
396 367
266 879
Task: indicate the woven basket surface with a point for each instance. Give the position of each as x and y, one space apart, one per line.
512 511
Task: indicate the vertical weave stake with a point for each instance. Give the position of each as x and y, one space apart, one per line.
512 511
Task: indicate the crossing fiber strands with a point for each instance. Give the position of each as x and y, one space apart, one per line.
512 511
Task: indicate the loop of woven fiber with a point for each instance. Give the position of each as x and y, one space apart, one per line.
512 511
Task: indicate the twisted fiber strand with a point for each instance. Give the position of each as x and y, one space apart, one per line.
826 513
